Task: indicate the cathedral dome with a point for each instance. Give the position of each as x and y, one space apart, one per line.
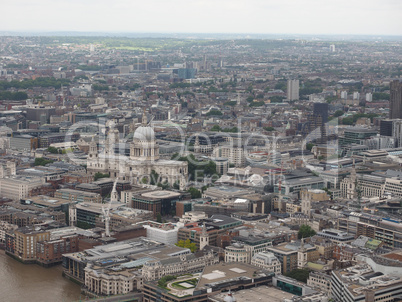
144 133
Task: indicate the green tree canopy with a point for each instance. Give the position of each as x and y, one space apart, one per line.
42 162
299 274
195 193
53 150
99 175
214 112
187 244
338 113
305 231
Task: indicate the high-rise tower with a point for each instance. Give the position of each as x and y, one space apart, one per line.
395 104
293 90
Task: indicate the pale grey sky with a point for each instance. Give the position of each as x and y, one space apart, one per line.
372 17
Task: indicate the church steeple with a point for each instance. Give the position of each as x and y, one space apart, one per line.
204 237
353 173
114 196
301 255
93 149
197 144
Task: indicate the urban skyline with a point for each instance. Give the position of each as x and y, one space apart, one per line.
201 151
256 16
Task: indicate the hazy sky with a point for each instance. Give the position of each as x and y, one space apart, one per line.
374 17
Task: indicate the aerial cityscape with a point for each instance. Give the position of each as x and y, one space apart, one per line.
213 163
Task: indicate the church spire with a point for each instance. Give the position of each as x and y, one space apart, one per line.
197 144
114 196
204 230
353 173
204 237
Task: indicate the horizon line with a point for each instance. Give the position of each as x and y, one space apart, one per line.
48 32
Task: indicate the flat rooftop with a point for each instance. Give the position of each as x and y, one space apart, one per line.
226 271
260 293
160 194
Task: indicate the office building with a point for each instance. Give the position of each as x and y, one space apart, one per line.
317 122
186 73
292 286
235 152
289 252
397 132
244 248
362 283
18 187
320 282
395 104
159 201
267 261
355 135
137 249
77 196
215 226
386 127
161 232
213 280
387 230
336 235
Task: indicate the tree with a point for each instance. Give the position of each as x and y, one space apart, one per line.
338 113
277 99
154 177
176 185
250 99
187 244
42 162
99 175
257 104
196 168
299 274
347 121
164 280
230 103
269 129
53 150
159 218
305 231
195 193
216 128
309 146
214 112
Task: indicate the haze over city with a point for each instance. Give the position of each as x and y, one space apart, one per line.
361 17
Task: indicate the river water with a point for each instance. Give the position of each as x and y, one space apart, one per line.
33 283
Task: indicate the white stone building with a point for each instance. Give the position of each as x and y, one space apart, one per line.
18 187
162 232
109 283
267 261
183 264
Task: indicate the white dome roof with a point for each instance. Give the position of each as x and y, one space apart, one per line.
144 134
229 298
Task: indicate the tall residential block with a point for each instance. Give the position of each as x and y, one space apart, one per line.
293 90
